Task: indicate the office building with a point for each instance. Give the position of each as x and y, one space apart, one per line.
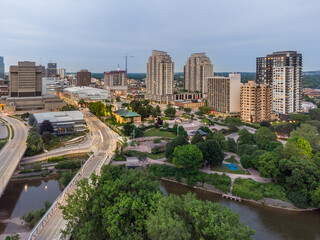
83 78
49 85
256 102
44 71
2 71
25 80
196 72
67 122
283 72
224 94
51 70
62 73
115 80
159 82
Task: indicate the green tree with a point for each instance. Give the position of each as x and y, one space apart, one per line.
246 161
46 126
170 112
187 110
116 205
267 165
46 137
187 218
66 178
158 110
221 140
245 137
211 152
182 132
34 143
197 138
231 145
128 128
315 114
309 133
188 157
299 117
178 141
263 136
302 144
246 149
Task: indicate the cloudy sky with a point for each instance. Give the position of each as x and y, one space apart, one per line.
96 34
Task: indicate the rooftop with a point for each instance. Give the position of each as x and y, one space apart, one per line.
126 113
54 117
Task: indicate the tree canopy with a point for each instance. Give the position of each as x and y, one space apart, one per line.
211 152
188 157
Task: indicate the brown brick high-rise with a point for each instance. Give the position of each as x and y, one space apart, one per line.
83 78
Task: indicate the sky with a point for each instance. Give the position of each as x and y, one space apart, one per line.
96 34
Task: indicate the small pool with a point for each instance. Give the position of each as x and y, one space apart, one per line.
231 166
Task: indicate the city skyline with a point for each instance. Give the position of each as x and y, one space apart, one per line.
231 39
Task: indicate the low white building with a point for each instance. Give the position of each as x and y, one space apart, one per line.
306 106
67 122
88 94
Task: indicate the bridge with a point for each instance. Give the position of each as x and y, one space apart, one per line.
52 222
13 151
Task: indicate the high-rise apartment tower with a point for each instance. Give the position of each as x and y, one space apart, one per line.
160 70
25 80
115 78
1 67
224 94
196 72
256 102
283 72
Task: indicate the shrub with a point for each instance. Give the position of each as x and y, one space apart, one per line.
68 165
25 171
55 159
157 140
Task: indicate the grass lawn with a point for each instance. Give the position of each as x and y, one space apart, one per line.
223 168
155 132
231 160
58 141
157 156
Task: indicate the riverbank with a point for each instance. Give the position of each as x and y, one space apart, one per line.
269 202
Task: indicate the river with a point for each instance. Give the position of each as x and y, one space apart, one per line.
269 223
23 196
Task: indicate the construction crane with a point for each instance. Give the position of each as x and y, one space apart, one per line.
126 57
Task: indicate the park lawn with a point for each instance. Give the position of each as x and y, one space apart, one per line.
223 168
231 160
249 189
157 156
155 132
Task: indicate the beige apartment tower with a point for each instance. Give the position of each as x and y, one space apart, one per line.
224 94
25 80
196 72
159 82
256 102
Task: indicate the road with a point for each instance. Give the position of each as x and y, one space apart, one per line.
85 146
13 151
101 143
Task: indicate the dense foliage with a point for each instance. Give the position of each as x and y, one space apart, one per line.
127 204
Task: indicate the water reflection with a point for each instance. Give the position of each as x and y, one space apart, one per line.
269 223
21 197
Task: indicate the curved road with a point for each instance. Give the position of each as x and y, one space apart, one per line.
13 151
106 138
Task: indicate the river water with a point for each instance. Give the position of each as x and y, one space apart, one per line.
269 223
23 196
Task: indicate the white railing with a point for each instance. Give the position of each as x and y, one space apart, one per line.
37 229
